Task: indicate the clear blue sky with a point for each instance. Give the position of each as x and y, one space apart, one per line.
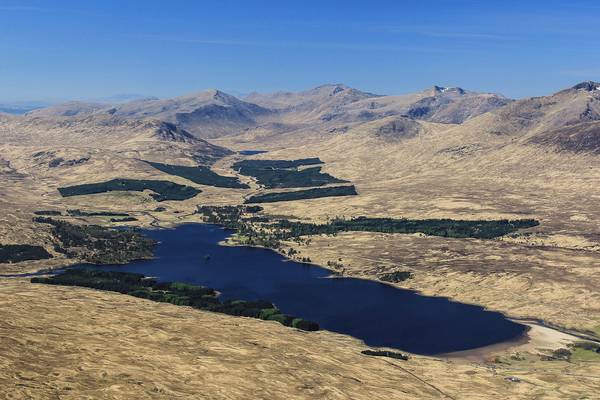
89 49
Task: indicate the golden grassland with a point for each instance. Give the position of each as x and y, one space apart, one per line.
77 343
550 272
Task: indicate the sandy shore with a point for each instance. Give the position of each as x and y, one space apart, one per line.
538 339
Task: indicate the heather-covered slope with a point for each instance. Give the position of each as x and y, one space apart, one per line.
533 158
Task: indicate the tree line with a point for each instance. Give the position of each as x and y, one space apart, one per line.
177 293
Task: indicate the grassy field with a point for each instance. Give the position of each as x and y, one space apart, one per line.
123 350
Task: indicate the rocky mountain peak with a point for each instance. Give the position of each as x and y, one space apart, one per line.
219 95
588 86
443 89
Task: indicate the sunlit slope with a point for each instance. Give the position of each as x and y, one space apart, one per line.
131 348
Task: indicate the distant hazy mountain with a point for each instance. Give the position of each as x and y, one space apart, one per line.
568 119
68 109
19 108
77 107
141 138
341 103
320 98
213 113
122 98
453 105
207 114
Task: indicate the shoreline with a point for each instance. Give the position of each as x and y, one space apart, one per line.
483 354
537 332
536 338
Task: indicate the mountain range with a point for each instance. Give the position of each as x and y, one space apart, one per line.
567 119
213 113
440 153
409 144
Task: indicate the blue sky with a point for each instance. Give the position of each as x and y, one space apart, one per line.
92 49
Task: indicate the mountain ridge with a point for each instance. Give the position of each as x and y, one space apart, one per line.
337 108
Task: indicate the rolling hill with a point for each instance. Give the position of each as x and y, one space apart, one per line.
326 108
566 120
329 102
442 153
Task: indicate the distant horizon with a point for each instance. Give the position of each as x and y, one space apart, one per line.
241 95
71 50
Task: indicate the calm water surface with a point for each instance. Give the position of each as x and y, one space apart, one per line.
379 314
252 152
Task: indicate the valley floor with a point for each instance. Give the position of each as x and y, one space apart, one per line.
74 343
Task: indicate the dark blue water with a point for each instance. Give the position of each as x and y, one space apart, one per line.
252 152
379 314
